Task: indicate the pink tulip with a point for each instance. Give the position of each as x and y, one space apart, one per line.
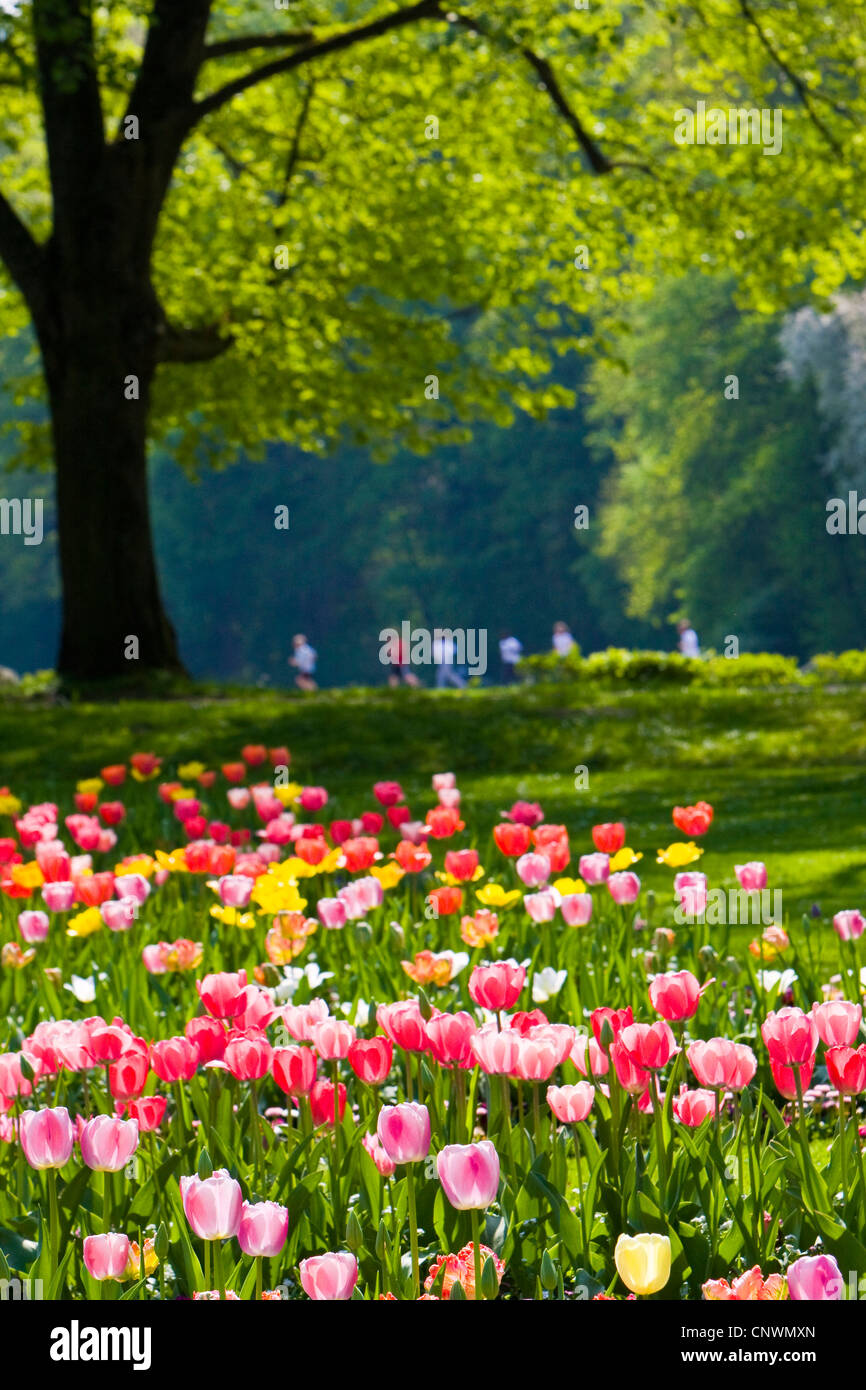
384 1164
541 907
58 897
849 924
720 1064
300 1019
469 1174
404 1131
46 1137
837 1022
313 798
576 909
153 959
571 1104
403 1024
815 1278
248 1056
691 1108
235 890
533 869
106 1257
536 1059
263 1229
751 876
630 1076
594 868
175 1059
496 987
119 915
107 1144
559 1035
651 1045
329 1278
331 912
588 1057
213 1206
495 1052
450 1038
132 886
223 995
238 798
790 1036
449 796
33 926
332 1039
676 995
443 780
624 888
690 891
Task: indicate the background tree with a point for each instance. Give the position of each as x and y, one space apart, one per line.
230 224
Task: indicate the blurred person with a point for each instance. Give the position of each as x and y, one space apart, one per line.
443 660
400 668
688 643
304 661
510 652
563 642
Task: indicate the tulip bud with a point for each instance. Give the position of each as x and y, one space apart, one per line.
364 933
398 936
271 976
547 1274
205 1167
606 1034
160 1242
425 1008
354 1234
708 956
26 1070
490 1280
458 1292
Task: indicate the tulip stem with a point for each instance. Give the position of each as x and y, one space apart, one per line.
582 1196
258 1278
413 1228
478 1234
218 1265
660 1141
506 1114
207 1278
257 1134
53 1219
801 1128
844 1156
536 1118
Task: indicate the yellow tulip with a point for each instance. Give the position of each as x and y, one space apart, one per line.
85 923
90 784
189 771
623 859
494 895
567 886
389 875
9 804
643 1262
680 853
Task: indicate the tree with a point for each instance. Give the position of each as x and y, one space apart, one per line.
233 223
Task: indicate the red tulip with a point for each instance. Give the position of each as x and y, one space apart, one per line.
360 852
128 1075
450 1038
609 837
461 863
322 1102
616 1018
370 1059
785 1079
223 995
846 1069
630 1076
676 995
512 839
208 1035
174 1059
248 1057
404 1025
790 1036
148 1111
693 820
388 793
294 1070
496 987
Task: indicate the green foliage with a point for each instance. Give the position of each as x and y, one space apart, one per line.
618 667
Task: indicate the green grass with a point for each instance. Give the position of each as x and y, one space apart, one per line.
785 769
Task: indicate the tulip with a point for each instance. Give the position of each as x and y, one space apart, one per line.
537 1059
846 1069
787 1079
624 888
512 840
690 890
469 1174
616 1020
263 1228
462 863
588 1057
404 1025
576 909
496 987
790 1036
128 1075
300 1019
751 876
541 907
148 1112
213 1206
370 1059
496 1052
313 798
322 1102
630 1076
223 995
675 996
332 1039
208 1036
119 915
609 837
849 925
249 1056
385 1165
651 1045
837 1022
107 1144
440 781
33 926
132 886
235 890
533 869
691 1108
46 1136
58 897
404 1131
450 1038
815 1278
329 1278
105 1257
571 1104
594 868
720 1064
174 1059
643 1262
294 1070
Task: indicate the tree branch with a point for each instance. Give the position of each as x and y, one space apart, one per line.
173 54
323 48
23 256
797 83
244 43
71 105
192 344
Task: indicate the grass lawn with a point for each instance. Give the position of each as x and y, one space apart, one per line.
785 769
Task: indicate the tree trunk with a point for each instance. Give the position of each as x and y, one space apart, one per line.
114 623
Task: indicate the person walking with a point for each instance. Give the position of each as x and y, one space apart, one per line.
688 643
399 664
510 652
443 660
304 662
563 642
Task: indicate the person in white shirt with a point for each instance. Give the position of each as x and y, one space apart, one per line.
443 660
304 661
510 652
562 639
688 643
